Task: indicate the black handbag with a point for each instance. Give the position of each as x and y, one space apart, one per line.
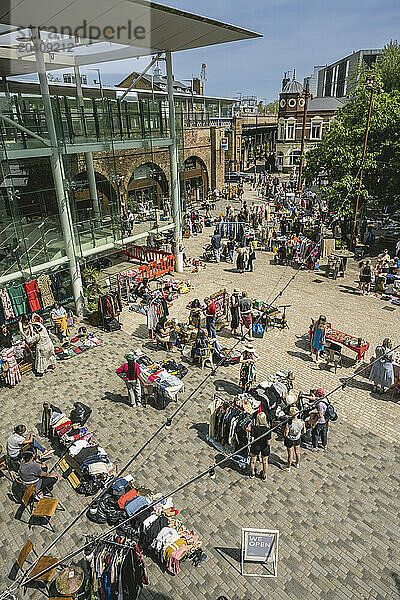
80 413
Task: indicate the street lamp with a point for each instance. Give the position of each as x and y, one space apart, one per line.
371 85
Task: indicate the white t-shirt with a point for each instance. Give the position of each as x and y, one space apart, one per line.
14 445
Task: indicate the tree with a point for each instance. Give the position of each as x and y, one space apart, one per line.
337 158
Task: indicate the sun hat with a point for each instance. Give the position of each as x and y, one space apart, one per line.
291 398
249 347
236 291
293 411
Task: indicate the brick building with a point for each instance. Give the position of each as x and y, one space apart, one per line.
320 113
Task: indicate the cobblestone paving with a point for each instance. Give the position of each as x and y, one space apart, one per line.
338 515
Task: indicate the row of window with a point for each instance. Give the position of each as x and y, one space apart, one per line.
287 129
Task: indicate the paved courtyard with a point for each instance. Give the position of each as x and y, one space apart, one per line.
338 516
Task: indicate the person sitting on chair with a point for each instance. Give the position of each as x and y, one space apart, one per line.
32 472
18 441
59 316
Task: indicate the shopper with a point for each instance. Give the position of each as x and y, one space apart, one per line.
251 256
366 277
211 317
165 334
195 314
320 429
241 257
216 245
246 317
235 311
9 365
45 357
130 373
318 337
247 367
32 472
382 373
262 446
292 437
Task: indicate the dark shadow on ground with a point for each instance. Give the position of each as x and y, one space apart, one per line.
301 355
231 555
112 397
221 385
202 430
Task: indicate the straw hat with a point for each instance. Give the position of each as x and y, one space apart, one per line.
291 398
249 347
293 411
236 291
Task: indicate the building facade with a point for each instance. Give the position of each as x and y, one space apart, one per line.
320 113
340 78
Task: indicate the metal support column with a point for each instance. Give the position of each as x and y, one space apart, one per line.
57 168
173 157
88 155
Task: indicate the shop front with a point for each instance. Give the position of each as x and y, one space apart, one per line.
196 180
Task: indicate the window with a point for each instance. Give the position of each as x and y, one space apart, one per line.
316 130
294 158
279 161
281 130
290 130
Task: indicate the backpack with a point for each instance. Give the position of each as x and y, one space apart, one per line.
330 413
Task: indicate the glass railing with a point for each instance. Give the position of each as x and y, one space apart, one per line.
88 120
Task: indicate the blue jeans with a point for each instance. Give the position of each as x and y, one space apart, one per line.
321 429
38 446
210 324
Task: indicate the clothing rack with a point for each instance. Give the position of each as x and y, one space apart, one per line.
93 539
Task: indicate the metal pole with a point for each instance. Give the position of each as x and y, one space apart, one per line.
303 137
173 156
88 155
135 81
57 168
371 100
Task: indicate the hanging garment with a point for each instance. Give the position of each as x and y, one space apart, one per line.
18 299
6 304
31 290
44 285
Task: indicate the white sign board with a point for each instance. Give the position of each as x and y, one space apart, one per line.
224 143
260 546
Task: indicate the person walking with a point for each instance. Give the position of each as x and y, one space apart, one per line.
216 245
130 373
240 259
365 277
251 256
211 318
292 437
320 429
262 446
382 373
318 337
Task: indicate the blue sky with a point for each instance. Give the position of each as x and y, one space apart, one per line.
296 35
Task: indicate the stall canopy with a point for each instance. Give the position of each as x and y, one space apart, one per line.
94 31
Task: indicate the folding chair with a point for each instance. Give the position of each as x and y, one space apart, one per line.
42 564
4 467
45 508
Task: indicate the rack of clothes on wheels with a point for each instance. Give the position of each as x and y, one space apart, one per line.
116 569
230 423
153 523
109 308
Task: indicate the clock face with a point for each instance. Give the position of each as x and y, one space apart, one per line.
283 103
301 102
292 102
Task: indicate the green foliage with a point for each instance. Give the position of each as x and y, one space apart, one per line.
337 158
92 289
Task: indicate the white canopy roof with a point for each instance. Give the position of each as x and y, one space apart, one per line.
107 30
